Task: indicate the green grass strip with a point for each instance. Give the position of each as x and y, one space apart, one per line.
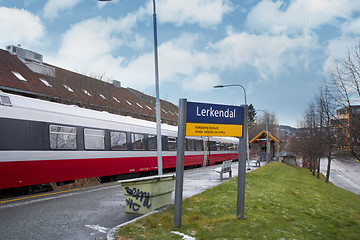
282 202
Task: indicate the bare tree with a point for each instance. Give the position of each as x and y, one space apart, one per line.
309 136
327 136
344 88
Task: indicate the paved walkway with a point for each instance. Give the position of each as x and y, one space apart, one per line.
199 179
196 181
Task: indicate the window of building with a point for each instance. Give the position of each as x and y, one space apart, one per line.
137 141
117 100
45 82
139 105
118 141
68 88
94 139
62 137
87 93
19 76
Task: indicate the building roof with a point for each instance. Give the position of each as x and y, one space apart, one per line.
262 137
36 79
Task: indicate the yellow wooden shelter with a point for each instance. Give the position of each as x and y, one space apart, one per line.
261 140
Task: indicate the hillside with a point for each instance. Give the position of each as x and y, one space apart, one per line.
282 202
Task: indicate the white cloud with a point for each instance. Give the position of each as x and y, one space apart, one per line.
53 7
336 51
339 47
205 13
19 26
95 43
351 27
178 62
269 55
298 16
201 82
88 42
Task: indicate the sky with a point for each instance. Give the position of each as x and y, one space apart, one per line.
279 51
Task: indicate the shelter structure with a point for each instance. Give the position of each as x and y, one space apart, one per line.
288 158
260 142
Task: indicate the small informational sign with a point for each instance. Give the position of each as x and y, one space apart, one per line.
203 119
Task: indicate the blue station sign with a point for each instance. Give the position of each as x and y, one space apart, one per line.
203 119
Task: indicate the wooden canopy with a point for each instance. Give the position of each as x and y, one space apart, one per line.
262 137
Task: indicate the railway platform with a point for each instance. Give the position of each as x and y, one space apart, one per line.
196 181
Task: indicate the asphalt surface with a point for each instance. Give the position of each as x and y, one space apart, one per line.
87 213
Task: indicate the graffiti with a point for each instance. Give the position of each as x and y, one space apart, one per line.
132 205
143 197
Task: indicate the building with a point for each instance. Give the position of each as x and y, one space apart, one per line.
24 72
288 158
347 125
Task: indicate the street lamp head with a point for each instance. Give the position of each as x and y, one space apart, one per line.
104 0
219 86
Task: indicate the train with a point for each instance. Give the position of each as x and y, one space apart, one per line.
43 142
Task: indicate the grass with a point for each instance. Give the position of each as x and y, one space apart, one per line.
282 202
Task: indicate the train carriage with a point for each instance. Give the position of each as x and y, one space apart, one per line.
44 142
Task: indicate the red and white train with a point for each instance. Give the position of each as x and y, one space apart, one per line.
43 142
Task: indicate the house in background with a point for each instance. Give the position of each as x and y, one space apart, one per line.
347 125
25 73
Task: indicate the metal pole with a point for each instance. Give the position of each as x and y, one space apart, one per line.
247 131
158 107
240 203
180 162
267 135
267 140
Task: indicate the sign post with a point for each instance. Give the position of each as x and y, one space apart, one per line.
240 203
203 119
180 163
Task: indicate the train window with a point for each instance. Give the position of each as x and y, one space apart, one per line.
118 141
137 141
152 142
213 146
231 147
223 146
190 144
172 144
199 145
94 139
62 137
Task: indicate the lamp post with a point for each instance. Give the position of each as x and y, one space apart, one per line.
267 136
158 107
247 133
240 202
